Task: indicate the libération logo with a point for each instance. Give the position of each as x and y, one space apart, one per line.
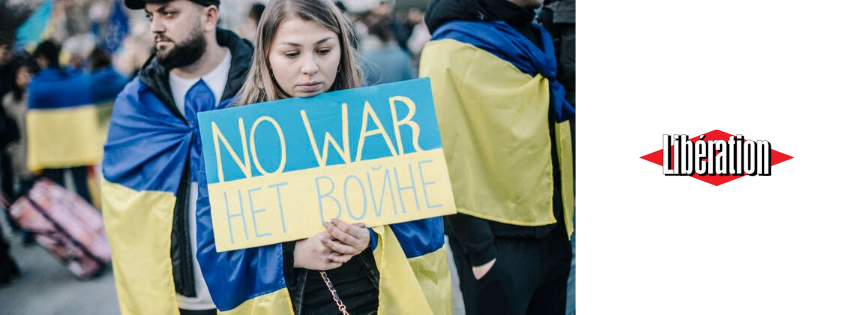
715 157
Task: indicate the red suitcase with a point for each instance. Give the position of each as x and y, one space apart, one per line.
66 225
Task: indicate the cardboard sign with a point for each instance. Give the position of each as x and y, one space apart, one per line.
277 170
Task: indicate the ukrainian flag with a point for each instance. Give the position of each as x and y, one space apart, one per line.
36 28
65 120
145 154
490 124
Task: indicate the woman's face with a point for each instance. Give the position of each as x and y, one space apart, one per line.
304 57
22 78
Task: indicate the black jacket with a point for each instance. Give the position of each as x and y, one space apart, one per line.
476 235
440 12
9 131
155 76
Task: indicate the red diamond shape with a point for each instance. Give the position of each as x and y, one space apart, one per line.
714 179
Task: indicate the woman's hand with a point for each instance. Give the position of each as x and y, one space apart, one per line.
311 253
347 240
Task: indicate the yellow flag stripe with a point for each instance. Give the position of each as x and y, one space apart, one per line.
139 228
64 137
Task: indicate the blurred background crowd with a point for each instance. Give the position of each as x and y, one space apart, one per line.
386 29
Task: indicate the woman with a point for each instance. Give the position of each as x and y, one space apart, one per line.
15 104
13 142
304 48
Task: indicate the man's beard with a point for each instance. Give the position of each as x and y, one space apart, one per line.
185 53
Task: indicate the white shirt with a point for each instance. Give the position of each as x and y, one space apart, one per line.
216 81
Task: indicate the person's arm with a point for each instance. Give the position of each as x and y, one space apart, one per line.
476 237
8 127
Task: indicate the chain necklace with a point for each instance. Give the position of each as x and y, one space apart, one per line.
340 305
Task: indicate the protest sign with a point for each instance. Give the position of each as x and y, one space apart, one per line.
277 170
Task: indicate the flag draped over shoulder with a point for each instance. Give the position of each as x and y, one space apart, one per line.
501 40
150 151
145 154
66 119
491 123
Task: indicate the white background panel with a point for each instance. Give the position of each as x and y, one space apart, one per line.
773 70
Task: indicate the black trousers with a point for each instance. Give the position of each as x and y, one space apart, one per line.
8 267
4 246
6 188
79 175
529 276
6 176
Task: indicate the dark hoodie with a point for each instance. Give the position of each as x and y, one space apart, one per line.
476 235
440 12
155 77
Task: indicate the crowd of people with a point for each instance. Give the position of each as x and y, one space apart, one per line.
54 123
502 74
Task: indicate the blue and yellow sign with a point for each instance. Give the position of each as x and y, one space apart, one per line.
277 170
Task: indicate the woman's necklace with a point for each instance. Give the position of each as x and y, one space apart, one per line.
330 286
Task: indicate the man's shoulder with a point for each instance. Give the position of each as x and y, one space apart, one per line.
47 77
135 93
131 89
52 88
487 35
466 27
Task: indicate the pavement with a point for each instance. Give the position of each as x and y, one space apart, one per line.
47 288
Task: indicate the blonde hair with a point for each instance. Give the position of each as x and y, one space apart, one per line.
260 85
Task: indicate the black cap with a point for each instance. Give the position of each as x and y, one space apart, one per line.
140 4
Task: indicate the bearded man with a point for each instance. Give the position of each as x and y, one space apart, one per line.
153 153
